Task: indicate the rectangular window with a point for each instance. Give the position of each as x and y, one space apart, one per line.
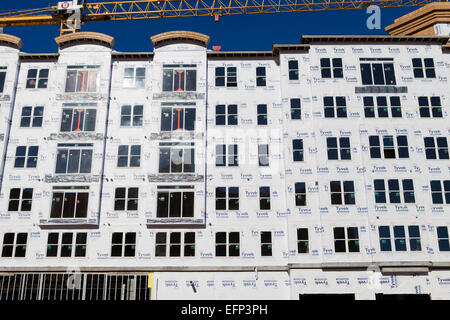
63 244
14 245
175 204
398 192
179 78
177 119
331 68
302 240
293 69
260 76
74 158
384 234
82 79
134 78
37 78
338 148
264 198
377 73
129 156
222 160
400 240
440 191
300 194
131 116
414 238
176 157
335 107
443 239
436 147
227 200
430 107
20 199
126 199
123 244
346 239
78 119
385 107
2 78
266 243
26 157
296 112
227 244
226 76
392 148
69 204
297 149
423 68
261 110
181 244
263 155
226 115
32 117
342 192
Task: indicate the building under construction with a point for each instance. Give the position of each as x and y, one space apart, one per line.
317 168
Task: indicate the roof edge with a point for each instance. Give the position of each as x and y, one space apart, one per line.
10 40
85 37
388 38
161 38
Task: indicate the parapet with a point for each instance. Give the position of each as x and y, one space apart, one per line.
196 37
85 37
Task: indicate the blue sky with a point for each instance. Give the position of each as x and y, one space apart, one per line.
240 32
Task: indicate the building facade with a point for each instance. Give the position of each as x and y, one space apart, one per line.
185 173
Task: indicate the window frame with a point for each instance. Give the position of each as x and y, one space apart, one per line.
126 199
123 244
135 119
382 63
293 72
443 192
91 71
74 202
166 246
230 118
334 66
27 158
134 83
38 78
227 198
74 244
14 245
129 156
261 79
389 106
335 104
20 200
430 103
438 152
421 71
33 117
81 162
344 192
165 210
183 68
303 240
266 244
171 116
348 241
228 244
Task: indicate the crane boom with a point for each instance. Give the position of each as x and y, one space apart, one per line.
154 9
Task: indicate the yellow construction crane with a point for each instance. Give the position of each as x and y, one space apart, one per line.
70 15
